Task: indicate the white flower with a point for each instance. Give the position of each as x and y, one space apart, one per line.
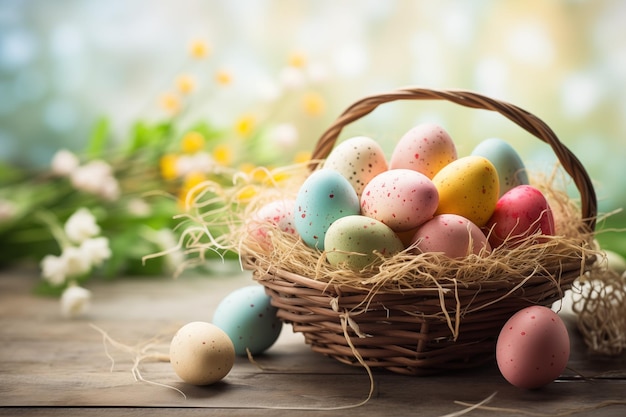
92 176
64 163
81 226
166 240
8 209
75 301
284 135
138 207
96 250
109 189
198 162
76 263
54 269
291 78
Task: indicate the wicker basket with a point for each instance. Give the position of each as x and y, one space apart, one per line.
408 331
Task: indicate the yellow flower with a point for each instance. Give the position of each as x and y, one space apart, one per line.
313 103
198 49
170 103
223 77
302 157
247 167
223 154
187 191
192 142
167 166
246 194
244 125
297 60
185 84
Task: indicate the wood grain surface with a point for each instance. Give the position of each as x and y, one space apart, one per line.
50 365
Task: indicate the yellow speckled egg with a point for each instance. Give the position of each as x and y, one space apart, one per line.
468 187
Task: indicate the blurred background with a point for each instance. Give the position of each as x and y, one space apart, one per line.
66 64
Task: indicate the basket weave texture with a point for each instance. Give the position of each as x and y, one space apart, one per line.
429 328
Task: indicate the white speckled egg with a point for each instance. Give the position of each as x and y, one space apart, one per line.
353 240
453 235
533 347
468 187
426 148
506 160
400 198
359 159
201 353
247 316
324 197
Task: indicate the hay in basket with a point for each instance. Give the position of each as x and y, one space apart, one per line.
410 314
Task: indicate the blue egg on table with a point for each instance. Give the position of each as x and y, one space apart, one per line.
248 318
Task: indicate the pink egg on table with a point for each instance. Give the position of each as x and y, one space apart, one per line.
521 212
453 235
400 198
533 347
426 148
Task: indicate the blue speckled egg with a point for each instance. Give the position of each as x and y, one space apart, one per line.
324 197
506 160
248 318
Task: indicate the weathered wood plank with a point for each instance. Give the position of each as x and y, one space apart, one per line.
48 361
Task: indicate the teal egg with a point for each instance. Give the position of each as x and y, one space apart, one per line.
509 165
323 197
248 318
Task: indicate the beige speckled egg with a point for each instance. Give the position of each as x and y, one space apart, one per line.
201 353
352 242
359 159
426 148
468 187
400 198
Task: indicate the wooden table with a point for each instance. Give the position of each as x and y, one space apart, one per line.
53 366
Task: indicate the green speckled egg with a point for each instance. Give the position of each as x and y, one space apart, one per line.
351 242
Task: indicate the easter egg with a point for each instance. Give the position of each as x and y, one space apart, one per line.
521 212
359 159
400 198
468 187
201 353
275 215
506 160
323 197
354 241
426 148
533 347
451 234
248 318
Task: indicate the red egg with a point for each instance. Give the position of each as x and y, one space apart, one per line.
521 212
533 347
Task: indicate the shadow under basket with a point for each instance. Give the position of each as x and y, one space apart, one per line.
445 326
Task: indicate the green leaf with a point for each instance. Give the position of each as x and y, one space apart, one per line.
98 139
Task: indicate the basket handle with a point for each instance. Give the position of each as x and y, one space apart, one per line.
522 118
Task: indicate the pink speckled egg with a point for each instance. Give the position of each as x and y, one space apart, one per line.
533 347
521 212
451 234
400 198
426 148
275 215
359 159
